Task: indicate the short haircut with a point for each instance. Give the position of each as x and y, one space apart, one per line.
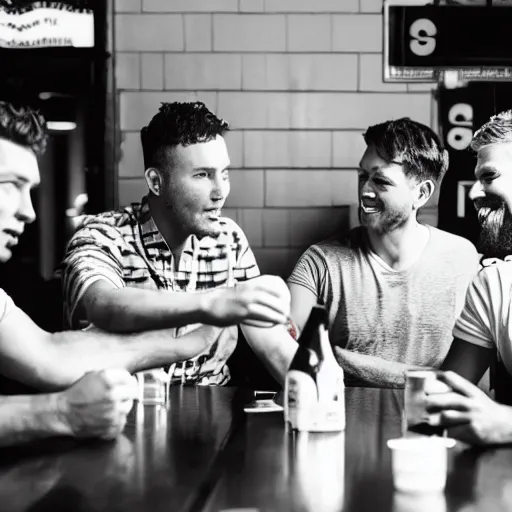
178 123
24 126
410 144
498 129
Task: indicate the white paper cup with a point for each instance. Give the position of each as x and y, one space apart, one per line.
419 464
424 502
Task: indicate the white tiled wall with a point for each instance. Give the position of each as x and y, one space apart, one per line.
298 80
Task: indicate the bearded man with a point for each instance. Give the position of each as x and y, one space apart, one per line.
483 333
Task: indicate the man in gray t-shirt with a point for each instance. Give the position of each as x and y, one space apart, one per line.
393 287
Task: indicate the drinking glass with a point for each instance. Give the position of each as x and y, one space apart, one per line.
153 386
418 384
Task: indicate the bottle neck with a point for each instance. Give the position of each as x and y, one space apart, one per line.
324 345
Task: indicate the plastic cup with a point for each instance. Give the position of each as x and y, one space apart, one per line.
425 502
153 386
419 464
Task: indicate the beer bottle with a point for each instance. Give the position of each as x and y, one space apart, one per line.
314 387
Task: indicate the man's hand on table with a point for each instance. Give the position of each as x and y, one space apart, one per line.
98 403
261 302
469 414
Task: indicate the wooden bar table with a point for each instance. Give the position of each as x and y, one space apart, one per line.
267 469
203 453
166 460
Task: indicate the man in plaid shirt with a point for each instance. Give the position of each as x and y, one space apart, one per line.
172 261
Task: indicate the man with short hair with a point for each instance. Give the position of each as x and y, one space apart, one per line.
393 287
172 261
82 378
484 328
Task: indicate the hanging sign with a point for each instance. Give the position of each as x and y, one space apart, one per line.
43 24
423 41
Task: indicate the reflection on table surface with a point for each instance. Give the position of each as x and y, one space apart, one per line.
203 453
267 469
165 457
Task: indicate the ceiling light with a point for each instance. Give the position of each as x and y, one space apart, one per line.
61 126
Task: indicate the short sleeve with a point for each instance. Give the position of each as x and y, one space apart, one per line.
6 305
310 272
93 253
486 308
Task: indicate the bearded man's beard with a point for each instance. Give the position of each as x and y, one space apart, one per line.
496 222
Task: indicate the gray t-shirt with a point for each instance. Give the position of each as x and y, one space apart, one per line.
406 315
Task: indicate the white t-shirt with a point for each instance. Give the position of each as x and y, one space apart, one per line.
486 317
6 304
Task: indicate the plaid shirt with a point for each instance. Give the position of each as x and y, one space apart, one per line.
126 249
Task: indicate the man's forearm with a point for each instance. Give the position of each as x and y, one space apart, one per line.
28 418
69 355
274 346
372 370
135 310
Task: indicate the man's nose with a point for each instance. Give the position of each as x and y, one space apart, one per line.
26 212
476 191
220 189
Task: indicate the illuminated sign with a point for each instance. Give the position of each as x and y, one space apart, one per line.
37 24
423 41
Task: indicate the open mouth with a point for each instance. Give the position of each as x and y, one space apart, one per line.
213 214
13 237
369 207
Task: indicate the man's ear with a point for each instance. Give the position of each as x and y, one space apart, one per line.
424 192
153 180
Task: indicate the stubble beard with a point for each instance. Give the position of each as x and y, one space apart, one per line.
384 221
191 226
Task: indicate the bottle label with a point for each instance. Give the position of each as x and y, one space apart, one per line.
304 411
300 399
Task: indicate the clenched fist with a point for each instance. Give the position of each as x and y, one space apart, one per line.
261 302
98 403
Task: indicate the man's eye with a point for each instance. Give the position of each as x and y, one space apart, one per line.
201 175
11 184
381 182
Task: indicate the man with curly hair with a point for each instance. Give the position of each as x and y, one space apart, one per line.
172 260
82 379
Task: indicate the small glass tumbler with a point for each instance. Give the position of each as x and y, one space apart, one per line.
153 386
416 382
419 384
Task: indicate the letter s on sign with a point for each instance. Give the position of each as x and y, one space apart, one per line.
422 41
